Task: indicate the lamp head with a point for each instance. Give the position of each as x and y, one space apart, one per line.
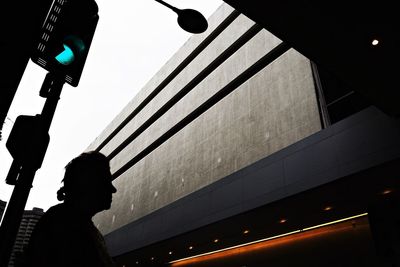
192 20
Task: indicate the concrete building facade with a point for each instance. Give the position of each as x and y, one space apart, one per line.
236 131
271 110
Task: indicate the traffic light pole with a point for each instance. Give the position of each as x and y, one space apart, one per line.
51 89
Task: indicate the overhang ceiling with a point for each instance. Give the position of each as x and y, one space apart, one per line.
337 35
348 196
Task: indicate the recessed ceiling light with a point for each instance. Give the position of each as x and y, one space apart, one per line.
246 231
216 240
282 220
170 253
375 42
191 247
328 208
386 191
152 258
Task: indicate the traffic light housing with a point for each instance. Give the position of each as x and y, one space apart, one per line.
27 144
66 37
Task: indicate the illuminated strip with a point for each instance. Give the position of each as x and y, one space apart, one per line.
272 237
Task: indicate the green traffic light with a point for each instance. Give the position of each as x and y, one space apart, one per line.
71 44
66 57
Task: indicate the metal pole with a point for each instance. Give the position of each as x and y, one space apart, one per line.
15 208
13 215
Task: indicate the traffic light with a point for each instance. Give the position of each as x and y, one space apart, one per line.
65 38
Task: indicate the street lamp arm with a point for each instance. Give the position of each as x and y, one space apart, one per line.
168 5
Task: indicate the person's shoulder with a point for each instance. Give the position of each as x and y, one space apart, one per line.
55 215
56 210
57 223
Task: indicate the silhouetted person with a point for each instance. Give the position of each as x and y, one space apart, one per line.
65 235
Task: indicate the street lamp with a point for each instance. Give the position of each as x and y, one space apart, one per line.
188 19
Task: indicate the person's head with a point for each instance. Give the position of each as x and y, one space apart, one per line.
87 181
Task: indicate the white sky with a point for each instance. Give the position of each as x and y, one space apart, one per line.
133 40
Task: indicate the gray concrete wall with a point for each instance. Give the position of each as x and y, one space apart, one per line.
364 140
213 21
273 109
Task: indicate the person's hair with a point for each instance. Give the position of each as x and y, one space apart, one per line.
79 171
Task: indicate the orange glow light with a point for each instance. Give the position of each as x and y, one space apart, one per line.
306 233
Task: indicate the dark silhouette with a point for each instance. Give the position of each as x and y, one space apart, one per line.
66 235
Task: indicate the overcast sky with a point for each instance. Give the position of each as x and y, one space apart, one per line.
133 40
